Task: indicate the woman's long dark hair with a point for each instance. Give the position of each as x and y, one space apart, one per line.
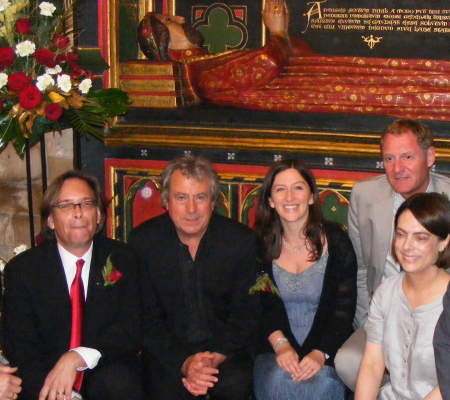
268 224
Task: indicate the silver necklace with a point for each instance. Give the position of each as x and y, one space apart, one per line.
295 249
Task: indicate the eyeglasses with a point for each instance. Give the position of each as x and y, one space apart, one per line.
67 206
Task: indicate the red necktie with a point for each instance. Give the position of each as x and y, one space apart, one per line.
77 301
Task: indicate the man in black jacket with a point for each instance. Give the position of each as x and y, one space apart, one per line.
442 348
197 270
71 305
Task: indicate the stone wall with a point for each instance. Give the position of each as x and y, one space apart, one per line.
14 220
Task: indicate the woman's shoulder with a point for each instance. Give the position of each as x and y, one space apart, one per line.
389 285
336 235
333 228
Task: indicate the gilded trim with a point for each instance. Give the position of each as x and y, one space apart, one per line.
88 48
113 43
114 200
349 144
263 27
171 9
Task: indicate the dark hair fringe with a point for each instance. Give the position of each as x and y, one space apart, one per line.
432 211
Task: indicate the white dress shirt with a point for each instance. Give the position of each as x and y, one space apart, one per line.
89 355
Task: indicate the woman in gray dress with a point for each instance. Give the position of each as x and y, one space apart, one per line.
307 290
406 307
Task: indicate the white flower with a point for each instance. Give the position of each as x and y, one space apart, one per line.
25 48
4 4
2 265
85 85
47 8
3 79
64 82
44 81
19 249
53 71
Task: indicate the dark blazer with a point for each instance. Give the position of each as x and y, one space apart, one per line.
227 261
37 311
332 323
442 348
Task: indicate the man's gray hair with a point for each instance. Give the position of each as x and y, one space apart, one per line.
423 134
195 167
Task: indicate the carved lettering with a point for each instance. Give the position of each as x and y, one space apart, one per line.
424 20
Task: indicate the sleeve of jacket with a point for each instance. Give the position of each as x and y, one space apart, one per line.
22 344
363 298
120 336
273 313
442 347
240 326
337 324
158 341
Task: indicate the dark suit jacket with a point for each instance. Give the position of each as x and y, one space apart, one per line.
37 311
442 348
227 262
332 324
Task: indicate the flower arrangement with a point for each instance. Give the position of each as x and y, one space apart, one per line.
264 284
110 275
17 250
43 87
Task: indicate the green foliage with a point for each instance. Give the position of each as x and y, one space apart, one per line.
114 101
92 60
87 120
62 96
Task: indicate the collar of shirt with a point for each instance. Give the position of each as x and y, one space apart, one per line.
69 264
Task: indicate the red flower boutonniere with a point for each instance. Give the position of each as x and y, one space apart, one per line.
110 275
264 284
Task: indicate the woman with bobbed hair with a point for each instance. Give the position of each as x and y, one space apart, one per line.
307 289
405 308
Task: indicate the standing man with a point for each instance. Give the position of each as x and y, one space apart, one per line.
199 318
71 305
442 348
408 155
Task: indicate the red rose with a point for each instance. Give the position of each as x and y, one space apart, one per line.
114 276
18 81
53 111
30 97
145 31
1 104
61 58
23 26
45 57
76 71
60 41
72 57
7 57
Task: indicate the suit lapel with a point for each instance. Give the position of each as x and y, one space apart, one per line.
383 220
434 185
95 273
52 273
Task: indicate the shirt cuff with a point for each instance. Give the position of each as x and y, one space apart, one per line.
90 356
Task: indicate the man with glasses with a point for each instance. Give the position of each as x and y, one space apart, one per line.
71 305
